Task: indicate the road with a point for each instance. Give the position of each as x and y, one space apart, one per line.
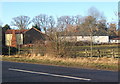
25 72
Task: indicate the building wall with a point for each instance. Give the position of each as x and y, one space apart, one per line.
33 35
83 38
68 38
114 41
19 38
95 39
8 39
75 38
100 39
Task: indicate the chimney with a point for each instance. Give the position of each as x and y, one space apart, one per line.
13 42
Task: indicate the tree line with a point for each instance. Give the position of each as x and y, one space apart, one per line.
95 23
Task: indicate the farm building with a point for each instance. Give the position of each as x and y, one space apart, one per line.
21 37
115 40
94 39
100 39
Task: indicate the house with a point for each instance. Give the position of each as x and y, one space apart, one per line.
115 40
15 38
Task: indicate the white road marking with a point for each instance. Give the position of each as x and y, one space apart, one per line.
49 74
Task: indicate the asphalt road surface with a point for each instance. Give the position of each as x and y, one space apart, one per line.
24 72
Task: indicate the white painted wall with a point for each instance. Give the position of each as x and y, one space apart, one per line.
68 38
83 38
19 38
100 39
114 41
8 38
95 39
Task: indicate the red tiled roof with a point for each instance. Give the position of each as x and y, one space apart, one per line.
16 31
9 31
23 31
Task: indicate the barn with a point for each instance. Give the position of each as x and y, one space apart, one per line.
15 38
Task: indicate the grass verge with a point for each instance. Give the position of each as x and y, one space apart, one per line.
88 63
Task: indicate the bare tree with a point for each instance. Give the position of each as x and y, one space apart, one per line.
112 31
78 19
64 40
94 13
90 26
93 17
51 24
42 21
65 22
79 25
21 22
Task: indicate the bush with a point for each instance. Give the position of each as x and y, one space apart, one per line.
81 43
60 48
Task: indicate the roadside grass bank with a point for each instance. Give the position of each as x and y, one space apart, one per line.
102 63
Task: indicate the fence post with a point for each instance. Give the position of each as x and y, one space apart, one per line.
86 52
99 54
113 53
